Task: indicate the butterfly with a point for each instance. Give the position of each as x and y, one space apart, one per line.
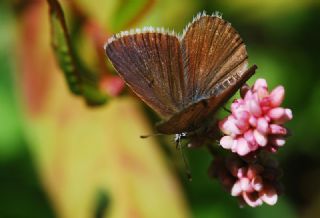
184 78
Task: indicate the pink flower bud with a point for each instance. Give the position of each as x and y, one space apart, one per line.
288 113
242 122
260 84
277 96
253 121
276 129
272 149
254 108
226 142
285 117
241 172
276 113
262 125
265 105
269 195
236 105
249 96
236 189
278 141
249 137
228 126
242 147
260 138
257 183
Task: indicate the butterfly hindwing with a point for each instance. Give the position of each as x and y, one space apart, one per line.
192 118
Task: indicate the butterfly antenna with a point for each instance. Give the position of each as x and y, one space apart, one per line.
186 164
147 136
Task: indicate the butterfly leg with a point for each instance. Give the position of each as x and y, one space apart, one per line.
177 139
227 110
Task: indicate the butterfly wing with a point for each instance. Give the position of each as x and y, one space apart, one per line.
192 117
151 64
187 79
215 67
212 51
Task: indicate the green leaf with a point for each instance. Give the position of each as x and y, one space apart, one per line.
129 13
79 79
102 203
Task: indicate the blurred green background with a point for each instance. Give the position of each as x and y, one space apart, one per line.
282 38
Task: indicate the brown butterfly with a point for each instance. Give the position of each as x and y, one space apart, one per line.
184 78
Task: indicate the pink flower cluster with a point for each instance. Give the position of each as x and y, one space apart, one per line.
254 184
256 120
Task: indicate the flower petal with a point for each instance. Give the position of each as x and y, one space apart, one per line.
245 184
252 199
257 183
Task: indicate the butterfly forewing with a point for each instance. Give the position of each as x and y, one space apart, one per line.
151 64
212 50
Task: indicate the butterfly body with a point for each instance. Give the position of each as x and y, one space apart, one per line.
186 78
